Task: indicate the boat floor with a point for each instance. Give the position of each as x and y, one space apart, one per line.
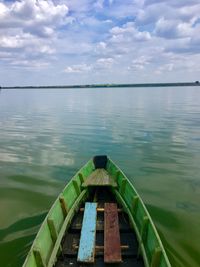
71 239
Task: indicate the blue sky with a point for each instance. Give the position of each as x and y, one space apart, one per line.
103 41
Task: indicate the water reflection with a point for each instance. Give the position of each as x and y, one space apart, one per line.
151 133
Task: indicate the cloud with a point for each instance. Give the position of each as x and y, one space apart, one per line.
107 39
104 63
78 68
140 63
36 17
165 68
129 33
37 64
100 64
173 28
29 26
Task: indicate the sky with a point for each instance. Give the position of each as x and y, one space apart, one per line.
60 42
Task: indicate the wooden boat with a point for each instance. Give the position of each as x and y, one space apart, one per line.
99 218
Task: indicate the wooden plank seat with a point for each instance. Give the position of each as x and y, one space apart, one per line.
112 248
100 177
86 251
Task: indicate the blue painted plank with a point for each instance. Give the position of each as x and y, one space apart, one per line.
88 234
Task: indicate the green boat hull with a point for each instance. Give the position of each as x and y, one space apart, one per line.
46 247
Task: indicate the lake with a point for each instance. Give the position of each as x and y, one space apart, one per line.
153 134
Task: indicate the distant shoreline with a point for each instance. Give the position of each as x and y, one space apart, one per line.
197 83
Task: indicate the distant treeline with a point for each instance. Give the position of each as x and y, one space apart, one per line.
197 83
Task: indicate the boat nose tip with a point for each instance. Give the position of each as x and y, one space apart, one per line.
100 161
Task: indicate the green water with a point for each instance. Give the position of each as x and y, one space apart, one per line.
153 134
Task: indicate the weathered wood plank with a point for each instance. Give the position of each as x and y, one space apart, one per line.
100 177
112 249
86 250
101 209
127 262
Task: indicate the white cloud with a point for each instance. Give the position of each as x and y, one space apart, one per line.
78 68
29 27
37 18
108 38
31 14
165 68
100 64
140 63
30 64
129 33
104 63
101 46
173 28
25 41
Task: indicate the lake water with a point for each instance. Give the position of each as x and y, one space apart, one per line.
153 134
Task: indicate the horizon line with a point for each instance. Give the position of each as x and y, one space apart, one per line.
109 85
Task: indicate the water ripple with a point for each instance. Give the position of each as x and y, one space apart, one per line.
152 134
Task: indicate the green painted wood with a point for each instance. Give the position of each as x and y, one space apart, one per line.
71 197
135 204
152 239
69 194
82 197
56 215
156 257
117 175
144 228
30 260
80 175
100 177
132 223
123 186
52 228
61 213
38 258
44 242
63 206
86 249
77 189
143 233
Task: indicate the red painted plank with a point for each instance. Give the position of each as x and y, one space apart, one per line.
112 249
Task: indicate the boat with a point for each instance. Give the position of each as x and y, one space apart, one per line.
97 220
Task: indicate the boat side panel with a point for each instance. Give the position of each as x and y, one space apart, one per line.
150 243
148 237
69 194
82 197
57 216
145 229
87 169
163 262
30 261
44 242
139 215
111 168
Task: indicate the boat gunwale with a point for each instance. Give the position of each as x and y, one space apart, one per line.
66 223
56 245
146 213
49 212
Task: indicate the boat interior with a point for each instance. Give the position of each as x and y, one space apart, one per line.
101 237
